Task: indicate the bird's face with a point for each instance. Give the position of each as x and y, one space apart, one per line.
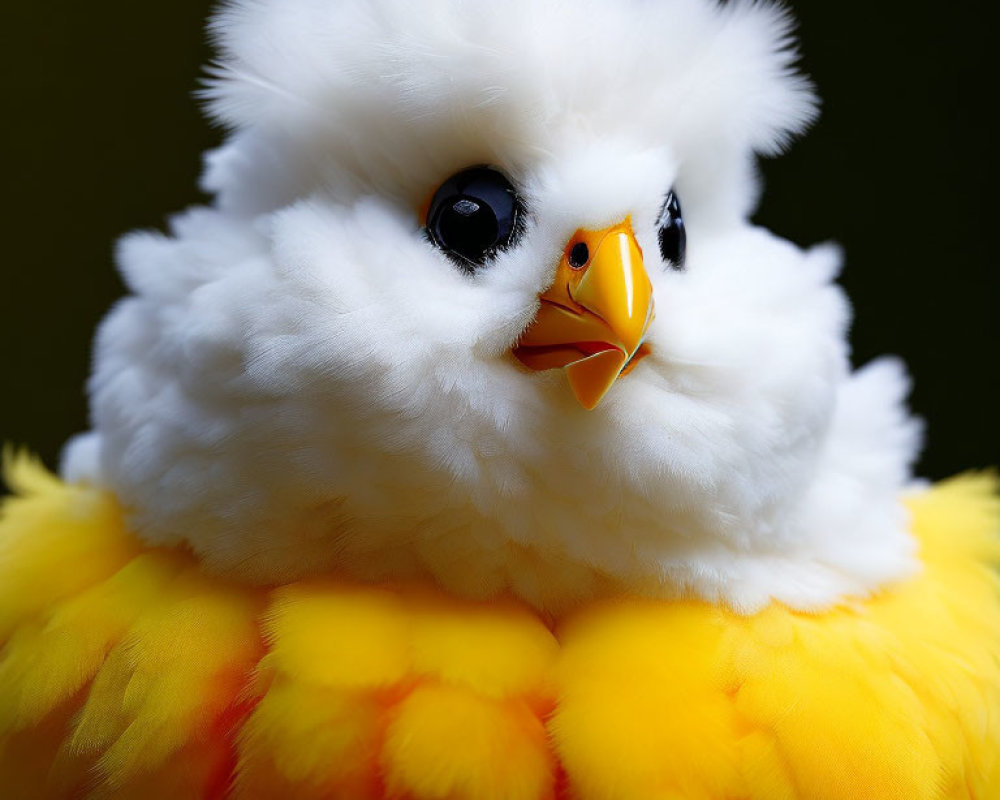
497 314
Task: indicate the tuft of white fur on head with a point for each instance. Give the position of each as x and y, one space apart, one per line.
301 382
352 96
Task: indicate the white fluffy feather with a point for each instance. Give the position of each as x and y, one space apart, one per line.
300 382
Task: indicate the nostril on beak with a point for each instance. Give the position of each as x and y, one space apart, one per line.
579 255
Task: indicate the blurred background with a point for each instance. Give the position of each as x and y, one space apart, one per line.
103 135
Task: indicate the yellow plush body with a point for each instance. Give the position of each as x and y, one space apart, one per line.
127 672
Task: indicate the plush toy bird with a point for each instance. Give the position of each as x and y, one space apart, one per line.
473 445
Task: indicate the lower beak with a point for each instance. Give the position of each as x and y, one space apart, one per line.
593 319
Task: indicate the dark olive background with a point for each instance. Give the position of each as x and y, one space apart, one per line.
102 135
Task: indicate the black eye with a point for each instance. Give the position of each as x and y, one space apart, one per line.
671 233
475 214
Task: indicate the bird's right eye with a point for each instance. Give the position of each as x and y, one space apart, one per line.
475 214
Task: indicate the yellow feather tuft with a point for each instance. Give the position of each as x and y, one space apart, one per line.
307 741
645 708
25 474
55 541
498 650
332 635
340 678
129 673
64 651
447 742
176 670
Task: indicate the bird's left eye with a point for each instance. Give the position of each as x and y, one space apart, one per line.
475 214
671 232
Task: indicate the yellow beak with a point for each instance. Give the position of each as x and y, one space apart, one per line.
593 319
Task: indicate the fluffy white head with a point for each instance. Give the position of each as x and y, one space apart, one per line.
301 382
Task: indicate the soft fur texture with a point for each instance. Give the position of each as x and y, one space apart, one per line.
301 382
129 673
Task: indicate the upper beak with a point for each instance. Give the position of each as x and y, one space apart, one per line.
594 317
